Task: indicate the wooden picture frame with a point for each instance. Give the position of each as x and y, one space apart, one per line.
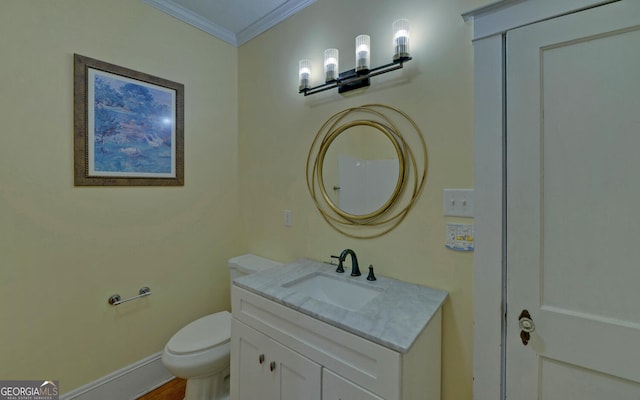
129 127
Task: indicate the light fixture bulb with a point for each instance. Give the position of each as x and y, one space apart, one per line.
304 72
363 53
331 64
401 39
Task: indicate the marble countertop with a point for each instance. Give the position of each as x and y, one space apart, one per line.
393 319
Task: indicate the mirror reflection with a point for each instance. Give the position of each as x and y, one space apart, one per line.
361 170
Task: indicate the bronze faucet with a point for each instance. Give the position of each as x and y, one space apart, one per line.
355 270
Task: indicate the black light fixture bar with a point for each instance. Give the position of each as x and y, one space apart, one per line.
351 80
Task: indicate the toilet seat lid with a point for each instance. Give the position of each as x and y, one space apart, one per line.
202 334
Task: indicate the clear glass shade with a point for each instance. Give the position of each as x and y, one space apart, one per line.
400 38
331 60
304 73
363 52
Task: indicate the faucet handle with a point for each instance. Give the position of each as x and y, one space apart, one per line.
340 268
372 276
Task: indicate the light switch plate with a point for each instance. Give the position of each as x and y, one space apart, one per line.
458 202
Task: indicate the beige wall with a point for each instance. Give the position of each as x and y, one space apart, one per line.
277 126
65 250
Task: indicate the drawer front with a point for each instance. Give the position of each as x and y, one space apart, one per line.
361 361
337 388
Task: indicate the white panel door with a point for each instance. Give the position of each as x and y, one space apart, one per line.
573 205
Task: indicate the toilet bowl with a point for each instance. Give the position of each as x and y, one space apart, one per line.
200 352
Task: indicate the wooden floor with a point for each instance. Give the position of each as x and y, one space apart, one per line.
172 390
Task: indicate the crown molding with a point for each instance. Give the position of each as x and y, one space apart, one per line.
236 39
271 19
191 18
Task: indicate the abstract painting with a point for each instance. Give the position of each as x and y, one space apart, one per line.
128 127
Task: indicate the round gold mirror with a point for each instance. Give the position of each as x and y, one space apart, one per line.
360 169
362 173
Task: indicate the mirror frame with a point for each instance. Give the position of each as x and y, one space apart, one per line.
411 177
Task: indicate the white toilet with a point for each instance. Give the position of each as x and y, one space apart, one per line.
199 352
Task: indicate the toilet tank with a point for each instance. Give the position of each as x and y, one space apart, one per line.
249 263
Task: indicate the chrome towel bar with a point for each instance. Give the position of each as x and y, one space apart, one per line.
115 299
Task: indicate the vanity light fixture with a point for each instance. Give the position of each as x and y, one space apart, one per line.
360 75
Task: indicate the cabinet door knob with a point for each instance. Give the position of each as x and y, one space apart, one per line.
261 358
272 366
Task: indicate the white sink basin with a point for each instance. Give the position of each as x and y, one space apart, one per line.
338 291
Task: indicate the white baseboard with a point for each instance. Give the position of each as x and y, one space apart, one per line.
129 382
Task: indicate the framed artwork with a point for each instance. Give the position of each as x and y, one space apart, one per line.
129 127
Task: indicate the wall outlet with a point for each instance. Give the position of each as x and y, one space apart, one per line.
458 202
287 218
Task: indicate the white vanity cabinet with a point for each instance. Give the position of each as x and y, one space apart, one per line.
316 360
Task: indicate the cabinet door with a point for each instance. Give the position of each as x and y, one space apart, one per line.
297 376
249 352
335 387
267 370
